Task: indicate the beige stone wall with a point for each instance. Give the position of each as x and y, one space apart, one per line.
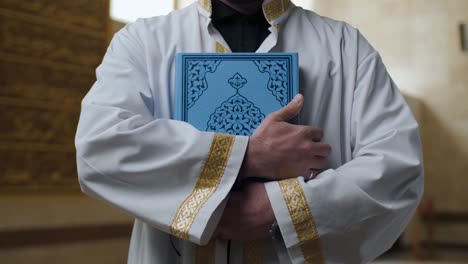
418 40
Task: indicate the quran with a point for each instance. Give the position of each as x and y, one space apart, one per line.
233 92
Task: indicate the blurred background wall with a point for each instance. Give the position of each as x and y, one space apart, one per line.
49 50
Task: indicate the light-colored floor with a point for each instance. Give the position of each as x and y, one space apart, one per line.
440 257
415 262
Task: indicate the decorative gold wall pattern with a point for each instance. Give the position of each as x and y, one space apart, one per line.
88 14
49 50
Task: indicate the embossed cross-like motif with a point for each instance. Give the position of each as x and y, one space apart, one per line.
237 115
237 81
196 79
278 82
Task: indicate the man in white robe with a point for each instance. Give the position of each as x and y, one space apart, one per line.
178 181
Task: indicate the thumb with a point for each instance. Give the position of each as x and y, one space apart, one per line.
290 110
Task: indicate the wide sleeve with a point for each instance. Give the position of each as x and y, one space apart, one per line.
162 171
355 212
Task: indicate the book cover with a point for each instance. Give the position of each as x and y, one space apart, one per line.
233 92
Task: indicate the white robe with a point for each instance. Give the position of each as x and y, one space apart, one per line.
175 179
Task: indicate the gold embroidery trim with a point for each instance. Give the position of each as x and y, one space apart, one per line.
272 9
275 8
302 219
206 185
220 48
206 4
253 251
206 254
278 27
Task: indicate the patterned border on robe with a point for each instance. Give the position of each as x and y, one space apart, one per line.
302 220
206 4
272 9
206 185
220 48
275 8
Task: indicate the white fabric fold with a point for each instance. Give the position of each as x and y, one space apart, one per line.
132 155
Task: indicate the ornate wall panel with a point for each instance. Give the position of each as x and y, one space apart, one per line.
49 50
90 14
43 83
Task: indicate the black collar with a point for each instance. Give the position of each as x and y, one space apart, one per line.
222 12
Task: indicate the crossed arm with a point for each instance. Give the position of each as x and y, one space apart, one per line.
276 151
152 167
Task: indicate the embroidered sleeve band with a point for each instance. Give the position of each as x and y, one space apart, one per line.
302 219
205 186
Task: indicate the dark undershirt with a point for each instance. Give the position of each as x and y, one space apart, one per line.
243 33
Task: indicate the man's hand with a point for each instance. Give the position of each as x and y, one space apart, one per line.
248 214
278 150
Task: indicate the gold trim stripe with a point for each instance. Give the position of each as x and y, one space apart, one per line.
272 10
302 219
275 8
253 252
206 4
206 185
206 254
278 27
220 48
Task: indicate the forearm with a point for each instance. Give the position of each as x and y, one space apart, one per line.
355 212
159 167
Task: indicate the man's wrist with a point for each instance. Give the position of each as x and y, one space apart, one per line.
246 170
243 172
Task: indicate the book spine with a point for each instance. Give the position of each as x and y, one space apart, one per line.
295 72
178 93
295 81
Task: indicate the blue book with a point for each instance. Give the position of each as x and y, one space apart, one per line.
233 92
